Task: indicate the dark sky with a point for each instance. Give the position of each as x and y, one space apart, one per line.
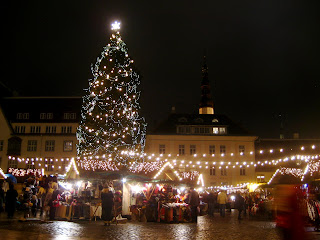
263 56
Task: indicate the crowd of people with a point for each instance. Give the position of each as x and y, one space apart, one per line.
38 196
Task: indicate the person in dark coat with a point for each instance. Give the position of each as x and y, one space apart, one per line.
211 203
194 203
239 204
11 199
1 198
107 205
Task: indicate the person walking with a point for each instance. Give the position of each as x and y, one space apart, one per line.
222 200
11 199
211 203
239 204
107 205
194 203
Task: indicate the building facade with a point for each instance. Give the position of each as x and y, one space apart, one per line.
38 132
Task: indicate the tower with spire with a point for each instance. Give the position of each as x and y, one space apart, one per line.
206 102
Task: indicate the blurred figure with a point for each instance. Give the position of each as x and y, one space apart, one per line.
239 204
107 205
1 198
194 202
288 214
222 200
11 199
211 203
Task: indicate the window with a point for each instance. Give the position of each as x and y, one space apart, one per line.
14 146
215 130
180 129
32 146
222 149
12 163
192 149
215 120
30 164
48 164
43 115
35 129
22 115
242 171
1 145
50 144
241 149
67 146
181 150
51 129
19 115
260 178
46 115
69 116
66 129
223 172
49 115
64 164
212 149
20 129
212 171
162 149
222 130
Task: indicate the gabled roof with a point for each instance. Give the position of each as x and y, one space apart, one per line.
169 126
36 105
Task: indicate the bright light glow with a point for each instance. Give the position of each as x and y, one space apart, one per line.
115 25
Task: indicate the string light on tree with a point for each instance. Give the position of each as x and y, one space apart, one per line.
110 122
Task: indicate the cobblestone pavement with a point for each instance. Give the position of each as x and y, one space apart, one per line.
206 228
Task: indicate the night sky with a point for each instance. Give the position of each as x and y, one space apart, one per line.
263 56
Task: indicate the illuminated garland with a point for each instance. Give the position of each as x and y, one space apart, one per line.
167 164
24 172
190 175
110 122
72 164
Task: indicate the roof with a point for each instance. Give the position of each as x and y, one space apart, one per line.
169 126
34 106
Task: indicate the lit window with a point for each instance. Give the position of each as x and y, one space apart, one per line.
222 130
215 130
67 146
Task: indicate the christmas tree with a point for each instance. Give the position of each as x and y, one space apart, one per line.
111 129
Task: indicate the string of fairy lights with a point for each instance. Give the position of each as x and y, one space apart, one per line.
110 112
